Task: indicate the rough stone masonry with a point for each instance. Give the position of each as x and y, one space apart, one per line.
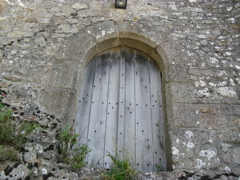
46 44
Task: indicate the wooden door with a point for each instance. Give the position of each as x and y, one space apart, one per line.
120 109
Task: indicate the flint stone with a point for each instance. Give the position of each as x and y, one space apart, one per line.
86 170
4 84
223 177
6 41
50 155
30 157
12 78
226 158
229 137
31 20
236 155
65 174
237 170
40 41
209 110
16 34
78 6
19 172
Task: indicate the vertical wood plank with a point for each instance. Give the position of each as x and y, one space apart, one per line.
162 123
113 106
98 111
147 121
129 102
138 110
120 124
84 108
157 117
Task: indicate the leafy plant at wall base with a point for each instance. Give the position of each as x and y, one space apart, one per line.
69 152
24 130
67 139
79 154
159 168
6 126
12 137
9 153
121 169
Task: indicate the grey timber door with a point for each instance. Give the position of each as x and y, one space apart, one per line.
120 109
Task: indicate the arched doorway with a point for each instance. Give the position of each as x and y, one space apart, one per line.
120 109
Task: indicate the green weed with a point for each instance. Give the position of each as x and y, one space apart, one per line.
79 154
70 153
24 130
7 128
67 139
9 153
159 168
11 135
121 170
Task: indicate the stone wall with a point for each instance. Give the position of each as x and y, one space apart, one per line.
45 45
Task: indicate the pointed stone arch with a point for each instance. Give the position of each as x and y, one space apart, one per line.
82 47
